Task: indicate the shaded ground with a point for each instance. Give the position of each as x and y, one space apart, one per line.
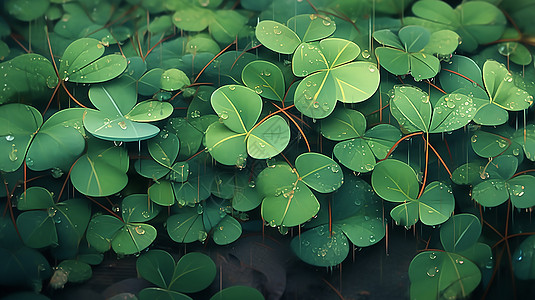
268 265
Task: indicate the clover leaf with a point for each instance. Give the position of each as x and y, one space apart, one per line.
119 118
402 53
45 223
238 133
288 200
454 272
499 184
395 181
413 110
127 235
358 149
355 214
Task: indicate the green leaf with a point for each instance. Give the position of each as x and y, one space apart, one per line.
277 37
81 62
35 197
77 271
414 38
101 231
355 154
487 144
490 114
269 138
226 146
411 108
226 25
311 27
150 83
471 79
163 148
156 266
246 195
101 171
20 122
526 137
37 229
387 38
436 203
265 78
238 107
452 112
23 266
291 206
410 57
395 181
502 90
491 192
150 111
192 18
71 218
460 233
395 61
238 292
227 231
320 248
468 173
381 139
186 226
59 142
477 22
26 10
136 208
516 52
522 191
25 76
161 193
133 238
442 274
334 77
174 79
319 172
443 42
343 124
193 273
100 125
523 259
405 214
116 119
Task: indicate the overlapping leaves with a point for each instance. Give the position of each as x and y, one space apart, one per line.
119 118
358 149
356 216
454 272
405 53
45 223
499 184
127 235
238 134
395 181
288 200
476 22
413 110
192 273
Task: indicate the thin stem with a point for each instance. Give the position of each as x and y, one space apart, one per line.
426 163
399 141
